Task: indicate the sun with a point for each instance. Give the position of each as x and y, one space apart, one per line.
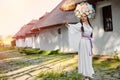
7 40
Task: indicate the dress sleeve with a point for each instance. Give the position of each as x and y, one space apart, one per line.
74 28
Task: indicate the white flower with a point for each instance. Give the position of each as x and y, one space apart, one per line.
87 13
90 11
86 8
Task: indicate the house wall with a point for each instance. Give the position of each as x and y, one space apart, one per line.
36 41
17 43
29 41
64 39
104 42
20 42
50 39
107 42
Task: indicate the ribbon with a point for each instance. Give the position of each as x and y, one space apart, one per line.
88 37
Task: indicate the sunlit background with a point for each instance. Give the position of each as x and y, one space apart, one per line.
15 13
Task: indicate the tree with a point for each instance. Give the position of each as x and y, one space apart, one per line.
8 39
1 41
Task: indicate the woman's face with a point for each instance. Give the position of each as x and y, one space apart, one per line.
84 18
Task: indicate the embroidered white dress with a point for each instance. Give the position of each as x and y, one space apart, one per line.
84 50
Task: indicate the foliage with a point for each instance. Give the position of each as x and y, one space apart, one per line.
73 75
29 51
108 64
1 41
115 55
50 52
6 48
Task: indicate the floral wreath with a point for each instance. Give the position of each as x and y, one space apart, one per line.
86 8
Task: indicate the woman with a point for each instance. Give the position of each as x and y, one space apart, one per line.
85 45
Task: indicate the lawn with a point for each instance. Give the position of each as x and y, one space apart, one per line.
52 65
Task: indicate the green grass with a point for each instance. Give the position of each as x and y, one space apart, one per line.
54 57
2 76
108 64
29 51
108 67
73 75
6 48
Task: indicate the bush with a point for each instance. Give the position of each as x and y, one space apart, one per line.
115 55
50 52
29 51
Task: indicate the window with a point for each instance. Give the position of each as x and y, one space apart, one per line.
107 18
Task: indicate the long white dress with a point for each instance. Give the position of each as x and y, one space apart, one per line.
84 50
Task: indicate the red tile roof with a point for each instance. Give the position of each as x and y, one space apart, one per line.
56 17
25 30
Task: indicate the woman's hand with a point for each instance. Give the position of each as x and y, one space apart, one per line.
66 23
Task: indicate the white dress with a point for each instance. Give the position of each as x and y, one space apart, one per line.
84 50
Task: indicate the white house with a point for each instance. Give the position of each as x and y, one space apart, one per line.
50 33
107 25
24 38
53 34
20 41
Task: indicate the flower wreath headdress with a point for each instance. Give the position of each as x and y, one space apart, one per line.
86 8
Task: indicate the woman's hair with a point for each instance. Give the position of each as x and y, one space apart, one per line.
82 28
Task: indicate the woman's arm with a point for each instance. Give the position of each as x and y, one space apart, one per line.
73 28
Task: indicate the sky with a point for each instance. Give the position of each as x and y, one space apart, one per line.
15 13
